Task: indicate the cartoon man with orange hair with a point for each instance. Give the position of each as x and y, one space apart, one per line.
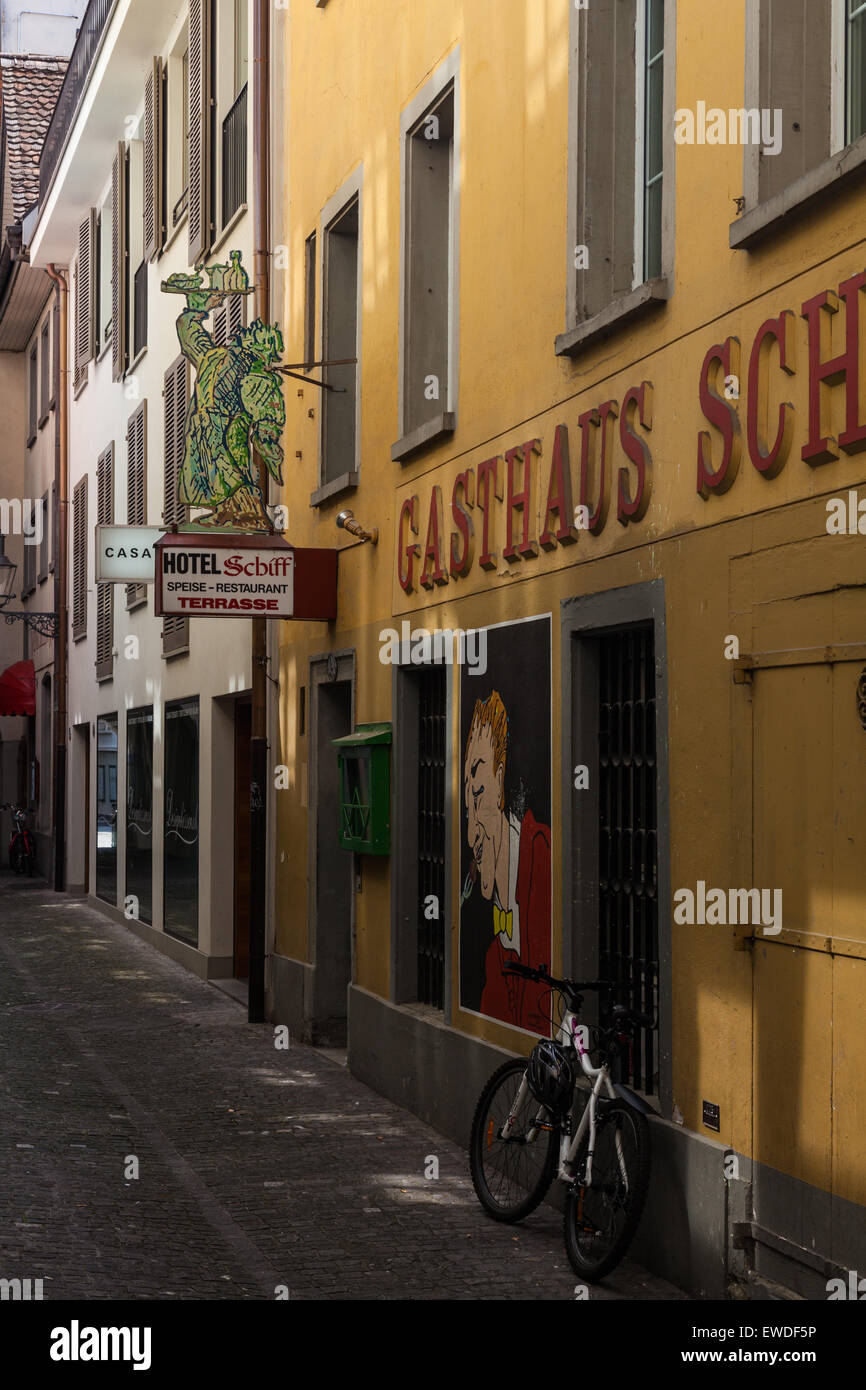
511 856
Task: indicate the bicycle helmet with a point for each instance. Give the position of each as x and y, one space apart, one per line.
551 1075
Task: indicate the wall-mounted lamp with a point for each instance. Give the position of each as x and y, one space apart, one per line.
346 522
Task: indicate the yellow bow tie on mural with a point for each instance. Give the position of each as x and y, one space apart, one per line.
503 921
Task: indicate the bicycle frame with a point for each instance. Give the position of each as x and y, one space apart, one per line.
572 1034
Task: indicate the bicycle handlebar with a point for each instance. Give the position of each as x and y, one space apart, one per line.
575 987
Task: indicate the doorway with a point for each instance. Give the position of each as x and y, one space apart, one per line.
243 732
332 901
78 827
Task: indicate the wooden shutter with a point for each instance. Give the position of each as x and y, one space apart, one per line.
79 560
52 522
136 494
199 196
175 629
228 317
119 256
105 592
85 295
42 504
154 214
796 77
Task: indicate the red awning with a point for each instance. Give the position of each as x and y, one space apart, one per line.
18 689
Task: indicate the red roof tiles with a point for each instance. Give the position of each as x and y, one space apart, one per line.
29 87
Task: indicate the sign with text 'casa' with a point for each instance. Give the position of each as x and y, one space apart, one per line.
126 554
220 575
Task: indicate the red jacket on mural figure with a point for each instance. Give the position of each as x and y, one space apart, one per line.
522 932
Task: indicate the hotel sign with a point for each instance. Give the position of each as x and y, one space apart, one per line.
217 575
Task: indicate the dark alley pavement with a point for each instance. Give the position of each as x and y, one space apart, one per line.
257 1168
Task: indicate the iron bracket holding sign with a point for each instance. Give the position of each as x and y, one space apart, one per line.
219 575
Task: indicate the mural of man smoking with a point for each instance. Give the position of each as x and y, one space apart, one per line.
510 861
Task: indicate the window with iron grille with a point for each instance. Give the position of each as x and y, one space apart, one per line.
431 835
79 560
175 629
234 158
136 487
310 300
627 869
105 592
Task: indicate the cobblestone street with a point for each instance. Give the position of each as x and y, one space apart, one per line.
257 1167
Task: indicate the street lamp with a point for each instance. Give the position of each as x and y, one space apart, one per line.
43 623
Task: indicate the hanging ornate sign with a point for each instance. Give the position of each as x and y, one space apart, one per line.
236 405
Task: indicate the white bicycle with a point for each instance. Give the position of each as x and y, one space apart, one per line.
524 1123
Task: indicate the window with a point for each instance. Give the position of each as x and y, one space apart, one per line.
621 151
139 810
310 301
136 487
119 265
427 307
175 629
136 289
33 395
805 73
176 133
44 543
103 279
432 725
650 113
339 454
855 70
241 44
180 853
85 298
79 560
46 394
231 99
200 226
152 168
106 808
105 592
428 354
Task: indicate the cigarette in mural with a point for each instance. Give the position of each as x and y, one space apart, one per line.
469 882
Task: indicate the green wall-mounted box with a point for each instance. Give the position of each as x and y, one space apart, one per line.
364 760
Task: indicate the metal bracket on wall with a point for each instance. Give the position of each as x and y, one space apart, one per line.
43 623
287 370
744 666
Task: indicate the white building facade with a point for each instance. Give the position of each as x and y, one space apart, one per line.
146 171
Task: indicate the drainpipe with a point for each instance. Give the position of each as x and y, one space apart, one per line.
259 739
61 571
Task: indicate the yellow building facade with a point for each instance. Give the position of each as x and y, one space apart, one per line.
607 418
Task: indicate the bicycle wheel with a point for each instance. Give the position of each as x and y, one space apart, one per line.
600 1220
511 1175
